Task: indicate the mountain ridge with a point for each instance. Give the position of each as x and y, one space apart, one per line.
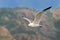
12 19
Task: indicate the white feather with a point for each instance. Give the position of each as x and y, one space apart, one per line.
27 19
36 21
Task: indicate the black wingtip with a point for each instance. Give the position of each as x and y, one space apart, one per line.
47 8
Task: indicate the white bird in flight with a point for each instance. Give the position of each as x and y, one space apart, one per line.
36 21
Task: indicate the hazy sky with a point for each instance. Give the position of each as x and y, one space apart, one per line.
37 4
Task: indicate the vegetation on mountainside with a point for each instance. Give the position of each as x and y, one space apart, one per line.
12 19
8 18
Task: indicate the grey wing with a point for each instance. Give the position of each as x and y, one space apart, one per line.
39 15
27 19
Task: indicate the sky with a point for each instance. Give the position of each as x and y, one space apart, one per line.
36 4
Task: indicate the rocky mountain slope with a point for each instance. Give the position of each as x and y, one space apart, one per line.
12 20
5 34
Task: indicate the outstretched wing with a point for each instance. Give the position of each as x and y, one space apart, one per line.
27 19
38 16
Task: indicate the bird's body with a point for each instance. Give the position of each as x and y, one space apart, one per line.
33 25
36 21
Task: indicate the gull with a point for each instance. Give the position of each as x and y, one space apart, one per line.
37 19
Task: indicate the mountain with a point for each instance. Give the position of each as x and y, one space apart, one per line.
56 13
56 16
12 19
5 34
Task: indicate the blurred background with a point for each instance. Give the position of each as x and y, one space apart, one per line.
14 27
